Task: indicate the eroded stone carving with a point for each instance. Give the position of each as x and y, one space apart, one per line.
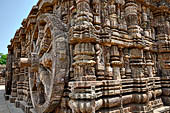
91 56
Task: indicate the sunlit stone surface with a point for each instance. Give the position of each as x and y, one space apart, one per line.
92 56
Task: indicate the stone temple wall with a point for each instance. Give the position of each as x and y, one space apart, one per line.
92 56
2 74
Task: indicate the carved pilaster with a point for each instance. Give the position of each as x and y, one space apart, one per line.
136 62
132 19
82 40
115 62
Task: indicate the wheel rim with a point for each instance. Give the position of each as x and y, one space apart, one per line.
51 57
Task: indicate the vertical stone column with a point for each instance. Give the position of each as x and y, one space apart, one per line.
149 64
97 15
108 68
100 67
113 15
132 19
84 63
162 28
82 39
163 44
127 63
146 23
20 88
136 62
8 78
122 67
105 20
15 66
116 63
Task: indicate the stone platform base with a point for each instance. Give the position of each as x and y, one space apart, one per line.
32 111
164 109
12 99
6 97
26 108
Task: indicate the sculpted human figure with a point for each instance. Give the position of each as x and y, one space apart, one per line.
99 53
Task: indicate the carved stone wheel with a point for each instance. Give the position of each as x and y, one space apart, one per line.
49 63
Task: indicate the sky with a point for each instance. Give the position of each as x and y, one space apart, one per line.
12 12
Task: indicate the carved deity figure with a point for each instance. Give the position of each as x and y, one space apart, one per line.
99 53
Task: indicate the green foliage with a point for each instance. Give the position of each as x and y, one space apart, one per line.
3 58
